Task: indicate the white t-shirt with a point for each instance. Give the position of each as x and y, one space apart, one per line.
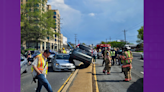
94 53
35 63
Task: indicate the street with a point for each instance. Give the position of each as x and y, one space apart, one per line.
115 83
56 79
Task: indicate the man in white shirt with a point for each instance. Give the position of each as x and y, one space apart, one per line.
41 66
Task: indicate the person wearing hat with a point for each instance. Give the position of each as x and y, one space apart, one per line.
64 51
40 67
126 59
107 62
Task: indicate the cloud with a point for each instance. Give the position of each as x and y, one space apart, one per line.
70 17
91 14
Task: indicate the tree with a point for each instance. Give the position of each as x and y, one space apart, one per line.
83 43
140 35
117 44
102 42
37 24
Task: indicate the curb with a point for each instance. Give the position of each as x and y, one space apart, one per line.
68 82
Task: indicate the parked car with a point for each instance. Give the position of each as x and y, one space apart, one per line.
61 63
80 55
53 53
142 56
23 64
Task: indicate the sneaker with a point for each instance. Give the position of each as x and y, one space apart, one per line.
108 73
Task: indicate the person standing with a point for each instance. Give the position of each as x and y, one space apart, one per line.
126 59
40 66
94 55
64 51
107 62
29 57
103 55
112 52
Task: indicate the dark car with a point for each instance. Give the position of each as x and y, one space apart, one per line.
33 55
87 49
80 55
53 53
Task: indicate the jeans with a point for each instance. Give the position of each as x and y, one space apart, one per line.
43 81
94 58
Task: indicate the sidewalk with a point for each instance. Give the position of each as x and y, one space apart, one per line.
83 81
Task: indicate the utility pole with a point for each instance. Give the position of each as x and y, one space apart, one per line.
75 40
106 40
78 41
110 39
125 35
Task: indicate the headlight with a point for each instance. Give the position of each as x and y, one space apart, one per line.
57 64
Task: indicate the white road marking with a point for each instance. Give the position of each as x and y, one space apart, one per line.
142 72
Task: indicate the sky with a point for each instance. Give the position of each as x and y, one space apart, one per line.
97 20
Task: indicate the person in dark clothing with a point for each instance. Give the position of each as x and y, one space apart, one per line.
103 56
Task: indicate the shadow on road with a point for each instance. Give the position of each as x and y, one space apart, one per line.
136 86
110 81
82 66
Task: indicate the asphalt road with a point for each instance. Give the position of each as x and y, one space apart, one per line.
56 79
115 83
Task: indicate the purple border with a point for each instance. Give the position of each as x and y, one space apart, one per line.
10 45
153 45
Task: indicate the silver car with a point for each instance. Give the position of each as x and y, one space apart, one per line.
61 63
142 55
23 64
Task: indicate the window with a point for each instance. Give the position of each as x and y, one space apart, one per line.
36 10
55 39
54 13
54 16
55 35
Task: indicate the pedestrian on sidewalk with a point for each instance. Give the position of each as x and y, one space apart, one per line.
107 62
126 59
40 66
95 55
103 55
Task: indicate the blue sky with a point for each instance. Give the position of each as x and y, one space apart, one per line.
97 20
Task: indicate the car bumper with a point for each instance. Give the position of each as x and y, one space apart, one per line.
60 68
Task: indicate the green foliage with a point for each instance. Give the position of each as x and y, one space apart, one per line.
102 42
31 49
37 24
115 44
83 43
140 35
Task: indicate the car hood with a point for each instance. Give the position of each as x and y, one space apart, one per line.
52 55
63 62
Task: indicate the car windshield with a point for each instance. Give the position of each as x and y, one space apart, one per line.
62 56
52 52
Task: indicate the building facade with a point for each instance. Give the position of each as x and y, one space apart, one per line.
47 43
